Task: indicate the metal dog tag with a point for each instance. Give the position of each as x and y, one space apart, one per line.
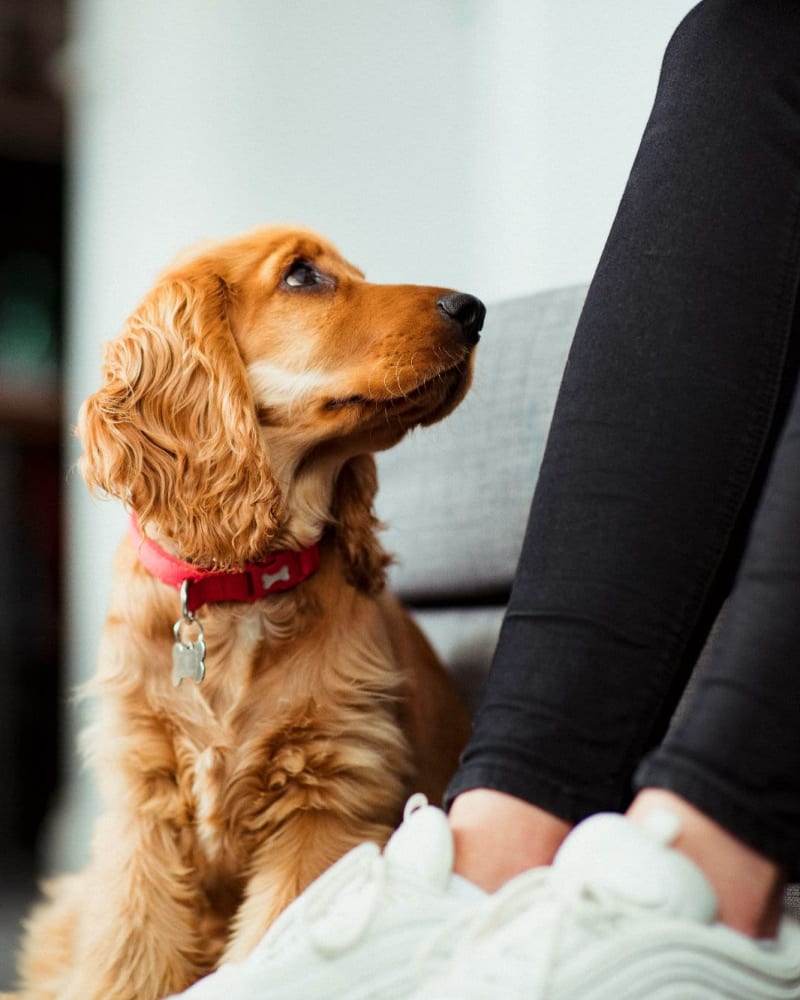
188 654
188 658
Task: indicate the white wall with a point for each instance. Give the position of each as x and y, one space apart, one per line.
470 143
566 89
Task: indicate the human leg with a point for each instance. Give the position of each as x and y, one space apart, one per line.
734 754
736 749
747 884
665 903
673 399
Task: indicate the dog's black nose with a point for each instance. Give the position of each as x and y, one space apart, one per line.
466 310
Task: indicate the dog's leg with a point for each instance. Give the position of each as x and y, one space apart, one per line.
308 843
136 936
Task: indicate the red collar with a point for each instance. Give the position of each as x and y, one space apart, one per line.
281 571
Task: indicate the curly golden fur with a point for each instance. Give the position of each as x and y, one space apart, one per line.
239 412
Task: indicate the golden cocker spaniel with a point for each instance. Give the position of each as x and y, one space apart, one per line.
264 703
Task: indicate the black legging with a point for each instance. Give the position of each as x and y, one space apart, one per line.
671 477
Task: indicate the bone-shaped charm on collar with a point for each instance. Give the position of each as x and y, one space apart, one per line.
267 579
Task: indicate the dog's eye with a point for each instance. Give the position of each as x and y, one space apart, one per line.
301 275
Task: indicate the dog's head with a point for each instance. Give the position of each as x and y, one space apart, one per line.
243 392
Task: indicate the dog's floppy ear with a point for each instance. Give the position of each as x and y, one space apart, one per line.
357 526
173 430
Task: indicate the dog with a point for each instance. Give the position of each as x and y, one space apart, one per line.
264 703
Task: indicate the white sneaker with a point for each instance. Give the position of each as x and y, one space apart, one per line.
361 931
618 916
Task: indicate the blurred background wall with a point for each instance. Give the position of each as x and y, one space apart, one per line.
479 144
32 167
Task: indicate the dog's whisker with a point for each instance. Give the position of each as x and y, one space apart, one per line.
397 371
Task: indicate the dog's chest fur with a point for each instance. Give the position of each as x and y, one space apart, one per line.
224 734
279 744
208 786
236 792
232 783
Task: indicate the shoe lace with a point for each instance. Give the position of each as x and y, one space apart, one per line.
335 915
441 944
532 914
